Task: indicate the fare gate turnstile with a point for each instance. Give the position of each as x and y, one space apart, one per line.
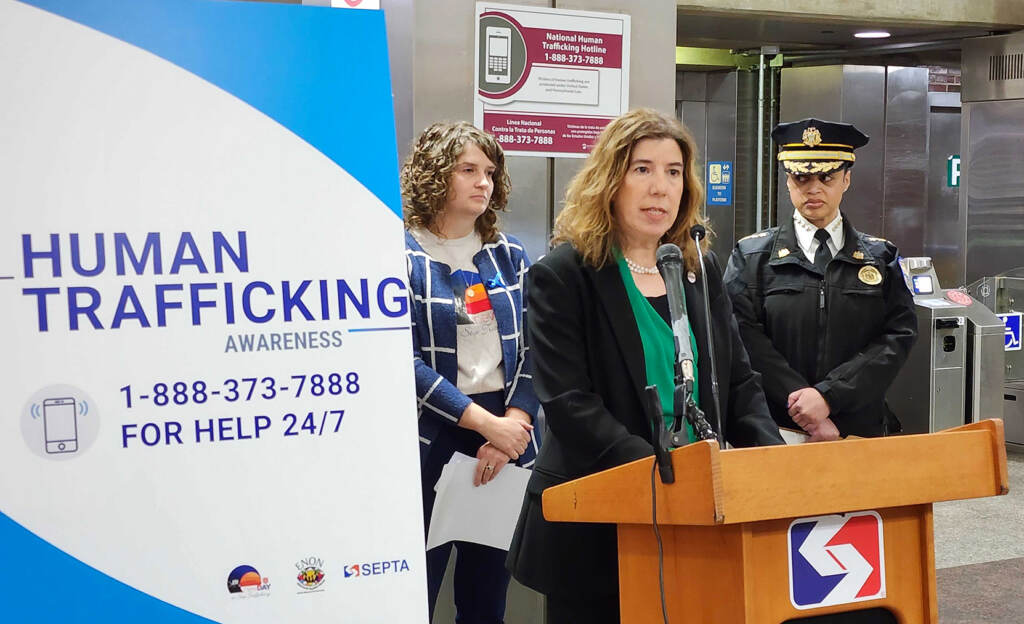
1004 294
954 373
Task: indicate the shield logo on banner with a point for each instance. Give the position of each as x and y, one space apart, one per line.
836 559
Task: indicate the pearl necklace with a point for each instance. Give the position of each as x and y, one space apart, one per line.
639 268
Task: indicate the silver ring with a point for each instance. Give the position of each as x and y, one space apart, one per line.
488 467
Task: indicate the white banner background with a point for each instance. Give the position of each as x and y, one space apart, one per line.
98 136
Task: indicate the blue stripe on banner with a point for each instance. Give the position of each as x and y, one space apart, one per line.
322 73
53 586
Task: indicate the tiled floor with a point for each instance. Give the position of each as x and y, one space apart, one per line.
979 555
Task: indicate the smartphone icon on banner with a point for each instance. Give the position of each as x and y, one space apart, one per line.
60 423
499 53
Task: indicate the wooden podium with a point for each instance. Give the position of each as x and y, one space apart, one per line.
725 522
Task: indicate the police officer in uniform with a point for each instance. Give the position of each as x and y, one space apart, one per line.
822 308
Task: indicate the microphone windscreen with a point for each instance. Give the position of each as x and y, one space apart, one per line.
669 252
698 230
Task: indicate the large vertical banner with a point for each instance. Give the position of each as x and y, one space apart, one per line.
549 80
206 376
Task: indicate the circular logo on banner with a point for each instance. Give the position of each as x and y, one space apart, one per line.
502 56
246 580
311 573
60 422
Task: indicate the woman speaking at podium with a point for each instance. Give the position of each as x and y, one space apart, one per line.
599 333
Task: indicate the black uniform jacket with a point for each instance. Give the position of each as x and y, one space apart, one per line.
589 374
837 332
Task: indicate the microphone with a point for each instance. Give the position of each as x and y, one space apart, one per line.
670 265
698 233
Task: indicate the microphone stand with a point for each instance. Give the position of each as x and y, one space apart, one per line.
686 407
697 236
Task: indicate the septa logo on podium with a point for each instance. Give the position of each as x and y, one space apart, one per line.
836 559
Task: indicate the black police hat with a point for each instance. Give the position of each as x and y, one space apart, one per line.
811 146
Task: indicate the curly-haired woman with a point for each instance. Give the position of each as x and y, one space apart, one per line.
599 333
472 365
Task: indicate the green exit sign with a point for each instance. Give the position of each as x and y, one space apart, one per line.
953 170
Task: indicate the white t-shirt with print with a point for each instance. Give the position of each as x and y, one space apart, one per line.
478 346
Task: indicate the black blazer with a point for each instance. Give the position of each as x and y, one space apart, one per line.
589 375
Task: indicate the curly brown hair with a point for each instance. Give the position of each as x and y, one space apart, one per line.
588 222
427 170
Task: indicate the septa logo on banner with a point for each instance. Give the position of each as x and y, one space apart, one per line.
376 568
246 580
836 559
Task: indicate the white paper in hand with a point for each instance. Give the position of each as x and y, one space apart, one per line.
483 515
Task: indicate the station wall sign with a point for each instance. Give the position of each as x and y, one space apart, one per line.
547 81
719 183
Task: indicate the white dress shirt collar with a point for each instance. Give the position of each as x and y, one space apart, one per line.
805 235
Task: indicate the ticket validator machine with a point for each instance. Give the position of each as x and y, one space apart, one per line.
954 373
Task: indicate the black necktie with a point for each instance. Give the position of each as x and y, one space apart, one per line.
822 255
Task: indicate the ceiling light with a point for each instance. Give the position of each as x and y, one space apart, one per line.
872 34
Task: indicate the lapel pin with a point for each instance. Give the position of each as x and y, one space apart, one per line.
691 277
495 282
783 252
858 255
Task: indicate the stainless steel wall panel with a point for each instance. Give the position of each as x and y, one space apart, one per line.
945 227
994 187
565 169
905 187
811 92
692 86
695 118
527 215
864 106
852 94
993 68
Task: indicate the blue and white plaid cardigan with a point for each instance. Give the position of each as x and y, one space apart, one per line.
502 266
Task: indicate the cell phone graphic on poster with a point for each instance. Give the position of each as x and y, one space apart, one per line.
499 53
60 424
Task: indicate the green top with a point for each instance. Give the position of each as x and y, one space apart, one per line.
659 348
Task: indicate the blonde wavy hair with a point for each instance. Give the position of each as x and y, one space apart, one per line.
428 169
588 219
